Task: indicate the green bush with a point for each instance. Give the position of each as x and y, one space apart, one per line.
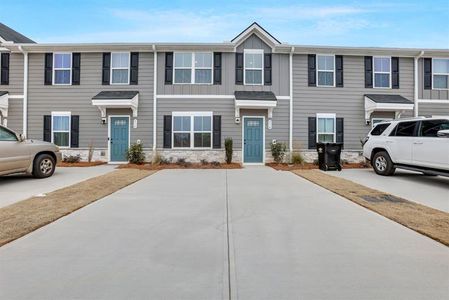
72 159
278 151
228 147
297 159
135 154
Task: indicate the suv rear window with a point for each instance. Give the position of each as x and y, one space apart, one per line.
430 128
379 129
404 129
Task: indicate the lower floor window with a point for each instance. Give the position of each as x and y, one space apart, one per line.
60 130
192 130
325 128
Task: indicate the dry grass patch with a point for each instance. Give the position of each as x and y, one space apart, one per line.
23 217
425 220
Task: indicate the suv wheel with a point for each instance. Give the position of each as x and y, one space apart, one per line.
44 166
382 164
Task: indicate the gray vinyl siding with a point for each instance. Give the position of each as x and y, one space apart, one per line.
15 115
43 99
428 94
225 108
15 86
254 42
433 109
346 102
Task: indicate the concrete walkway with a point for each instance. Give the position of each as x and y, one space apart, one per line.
15 188
167 237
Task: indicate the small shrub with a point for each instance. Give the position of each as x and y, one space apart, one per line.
90 154
72 159
315 162
215 163
297 159
278 151
135 154
228 148
204 162
165 161
182 162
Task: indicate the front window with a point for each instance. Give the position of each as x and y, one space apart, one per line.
430 128
382 72
325 128
62 68
120 68
6 135
253 63
440 70
325 70
193 67
192 130
60 129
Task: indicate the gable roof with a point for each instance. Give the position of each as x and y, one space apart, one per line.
258 30
254 95
116 95
10 35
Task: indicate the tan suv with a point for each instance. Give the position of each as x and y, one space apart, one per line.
18 155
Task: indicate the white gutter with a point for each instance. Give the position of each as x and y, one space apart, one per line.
25 92
290 134
416 93
154 97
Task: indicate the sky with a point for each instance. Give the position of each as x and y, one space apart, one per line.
410 23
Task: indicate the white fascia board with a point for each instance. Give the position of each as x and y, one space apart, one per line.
255 104
371 106
103 104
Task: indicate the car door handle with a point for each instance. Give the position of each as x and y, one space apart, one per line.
417 143
389 142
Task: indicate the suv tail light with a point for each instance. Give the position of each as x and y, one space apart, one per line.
364 140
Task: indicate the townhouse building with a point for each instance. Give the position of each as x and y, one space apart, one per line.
182 100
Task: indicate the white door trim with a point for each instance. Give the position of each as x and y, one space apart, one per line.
109 136
263 140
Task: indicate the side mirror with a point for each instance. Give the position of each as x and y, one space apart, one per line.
21 137
443 133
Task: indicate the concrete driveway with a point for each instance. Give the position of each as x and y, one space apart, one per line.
253 233
14 188
432 191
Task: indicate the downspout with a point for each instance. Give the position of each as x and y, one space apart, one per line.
25 91
154 98
290 137
416 59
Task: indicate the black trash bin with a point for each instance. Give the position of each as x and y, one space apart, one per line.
329 156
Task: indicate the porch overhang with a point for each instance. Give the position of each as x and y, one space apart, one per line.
386 102
254 100
116 99
4 106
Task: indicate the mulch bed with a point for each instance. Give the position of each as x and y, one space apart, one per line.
420 218
311 166
180 166
21 218
81 164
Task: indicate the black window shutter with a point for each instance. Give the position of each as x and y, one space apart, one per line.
312 132
368 71
74 131
339 70
48 71
339 130
217 67
47 128
169 68
106 68
267 69
427 73
311 67
395 72
239 68
167 131
4 75
76 68
134 76
217 132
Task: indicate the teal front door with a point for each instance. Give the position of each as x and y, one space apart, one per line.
119 138
253 140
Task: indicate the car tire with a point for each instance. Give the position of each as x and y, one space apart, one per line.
43 166
382 164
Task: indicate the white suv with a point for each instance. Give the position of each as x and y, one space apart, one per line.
419 144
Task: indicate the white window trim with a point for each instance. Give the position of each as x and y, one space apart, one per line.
374 73
193 69
318 70
192 131
379 119
433 73
61 114
121 68
253 51
62 69
326 116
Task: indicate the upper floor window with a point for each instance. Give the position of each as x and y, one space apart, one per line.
193 67
62 68
382 72
60 129
325 70
120 68
325 128
440 73
253 62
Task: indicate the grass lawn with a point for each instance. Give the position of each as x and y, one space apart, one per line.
425 220
23 217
